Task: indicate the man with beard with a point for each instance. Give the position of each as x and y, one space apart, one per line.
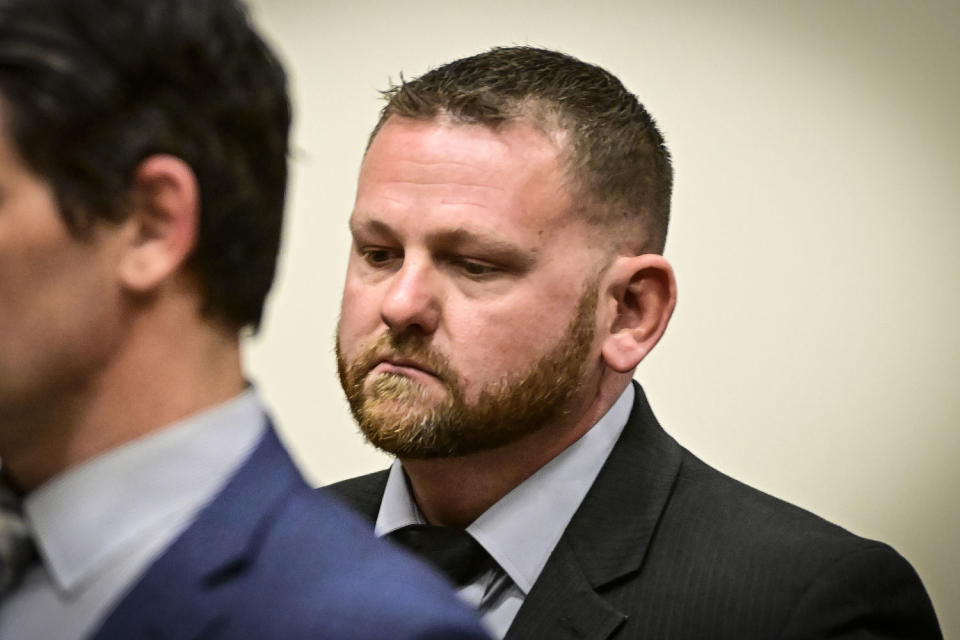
506 279
144 492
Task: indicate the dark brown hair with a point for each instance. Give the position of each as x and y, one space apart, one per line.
90 88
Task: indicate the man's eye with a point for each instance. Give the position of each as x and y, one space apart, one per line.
377 256
477 268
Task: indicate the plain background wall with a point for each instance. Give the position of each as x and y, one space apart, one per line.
815 351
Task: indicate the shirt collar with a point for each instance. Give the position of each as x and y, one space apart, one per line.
85 517
545 502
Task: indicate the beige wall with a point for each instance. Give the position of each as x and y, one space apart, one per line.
815 350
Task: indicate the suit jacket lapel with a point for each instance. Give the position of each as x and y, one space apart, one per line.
177 596
570 609
608 537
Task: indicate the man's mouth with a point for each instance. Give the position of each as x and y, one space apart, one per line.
403 366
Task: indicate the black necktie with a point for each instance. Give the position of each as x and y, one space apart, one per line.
17 551
453 551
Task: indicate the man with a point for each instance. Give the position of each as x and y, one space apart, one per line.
142 176
505 281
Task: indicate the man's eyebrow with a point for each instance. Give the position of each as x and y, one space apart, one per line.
489 245
452 240
370 225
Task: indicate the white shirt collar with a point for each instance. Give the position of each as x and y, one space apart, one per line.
545 502
88 516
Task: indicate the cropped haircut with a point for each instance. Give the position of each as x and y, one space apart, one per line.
91 88
616 158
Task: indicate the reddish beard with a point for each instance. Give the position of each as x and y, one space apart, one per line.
397 415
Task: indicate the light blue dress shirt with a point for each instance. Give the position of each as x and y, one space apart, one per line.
522 528
98 526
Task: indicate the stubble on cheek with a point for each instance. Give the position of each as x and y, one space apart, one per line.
392 388
395 412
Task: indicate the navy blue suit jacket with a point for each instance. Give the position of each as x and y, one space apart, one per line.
272 558
663 546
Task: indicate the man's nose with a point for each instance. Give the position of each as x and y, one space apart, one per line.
412 301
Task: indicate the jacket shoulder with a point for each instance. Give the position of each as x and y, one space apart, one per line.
362 494
734 511
270 557
752 561
326 576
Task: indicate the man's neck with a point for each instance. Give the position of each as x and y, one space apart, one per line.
456 491
159 374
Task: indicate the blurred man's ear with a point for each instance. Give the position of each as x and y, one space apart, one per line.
162 225
643 291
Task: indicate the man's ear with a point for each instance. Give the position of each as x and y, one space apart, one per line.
644 293
162 225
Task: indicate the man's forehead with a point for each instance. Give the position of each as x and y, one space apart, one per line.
473 161
471 153
432 176
513 134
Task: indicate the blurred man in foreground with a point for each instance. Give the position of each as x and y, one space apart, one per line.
505 281
142 177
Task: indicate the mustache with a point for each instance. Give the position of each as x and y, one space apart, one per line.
403 347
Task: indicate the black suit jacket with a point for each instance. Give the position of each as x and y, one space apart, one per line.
666 547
